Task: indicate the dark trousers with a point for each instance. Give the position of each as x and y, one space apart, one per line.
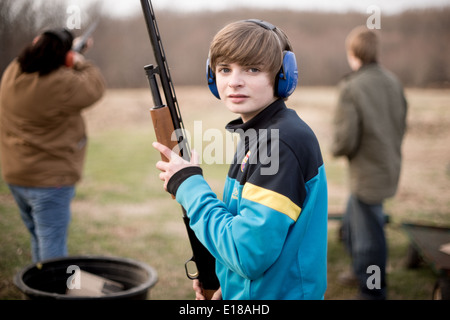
364 237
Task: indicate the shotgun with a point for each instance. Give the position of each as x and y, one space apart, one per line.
80 46
167 123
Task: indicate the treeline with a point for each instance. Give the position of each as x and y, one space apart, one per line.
415 44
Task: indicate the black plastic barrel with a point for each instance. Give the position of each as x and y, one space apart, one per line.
48 279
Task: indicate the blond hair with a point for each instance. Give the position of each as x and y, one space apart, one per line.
363 44
249 44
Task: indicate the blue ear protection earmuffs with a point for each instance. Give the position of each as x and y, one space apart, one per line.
286 79
211 80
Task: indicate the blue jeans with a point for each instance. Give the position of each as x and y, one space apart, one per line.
46 214
364 237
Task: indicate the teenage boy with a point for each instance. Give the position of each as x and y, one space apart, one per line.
369 126
269 234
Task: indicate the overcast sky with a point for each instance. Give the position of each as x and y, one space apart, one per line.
129 7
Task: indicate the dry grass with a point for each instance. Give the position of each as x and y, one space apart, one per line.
121 209
422 193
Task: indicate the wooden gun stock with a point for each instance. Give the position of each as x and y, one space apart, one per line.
164 130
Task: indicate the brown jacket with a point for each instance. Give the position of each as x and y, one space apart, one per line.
42 132
369 126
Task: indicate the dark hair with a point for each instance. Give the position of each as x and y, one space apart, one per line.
46 54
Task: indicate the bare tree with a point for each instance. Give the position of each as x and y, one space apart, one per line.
414 44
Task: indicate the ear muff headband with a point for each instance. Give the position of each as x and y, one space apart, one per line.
286 79
262 23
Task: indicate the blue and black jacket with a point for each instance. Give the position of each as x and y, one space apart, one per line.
269 234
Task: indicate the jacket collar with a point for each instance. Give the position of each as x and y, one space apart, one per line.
361 69
260 120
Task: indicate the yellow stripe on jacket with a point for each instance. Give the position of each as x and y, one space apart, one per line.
271 199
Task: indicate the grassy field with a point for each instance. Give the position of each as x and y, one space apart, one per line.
121 209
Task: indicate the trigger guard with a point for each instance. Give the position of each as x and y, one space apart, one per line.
190 275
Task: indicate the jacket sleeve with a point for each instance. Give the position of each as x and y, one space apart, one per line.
345 125
84 85
250 241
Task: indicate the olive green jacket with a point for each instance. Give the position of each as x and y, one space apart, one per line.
369 125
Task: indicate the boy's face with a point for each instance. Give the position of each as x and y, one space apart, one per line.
244 90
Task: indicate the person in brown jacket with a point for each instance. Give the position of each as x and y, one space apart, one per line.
369 125
42 134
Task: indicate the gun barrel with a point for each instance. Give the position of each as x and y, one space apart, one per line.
164 75
166 119
151 71
78 47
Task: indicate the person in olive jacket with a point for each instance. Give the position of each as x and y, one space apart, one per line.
42 133
369 125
